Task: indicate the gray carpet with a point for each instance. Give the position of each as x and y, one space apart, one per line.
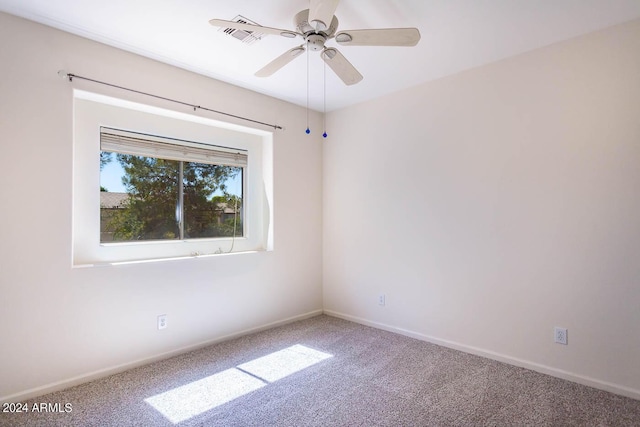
373 378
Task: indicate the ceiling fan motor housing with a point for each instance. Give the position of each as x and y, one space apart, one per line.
301 21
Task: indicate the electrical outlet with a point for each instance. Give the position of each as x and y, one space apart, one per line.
560 335
162 321
381 299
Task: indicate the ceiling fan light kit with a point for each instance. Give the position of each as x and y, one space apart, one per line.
318 25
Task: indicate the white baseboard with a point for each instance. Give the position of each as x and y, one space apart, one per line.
548 370
101 373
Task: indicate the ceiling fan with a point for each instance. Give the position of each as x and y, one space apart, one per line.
316 26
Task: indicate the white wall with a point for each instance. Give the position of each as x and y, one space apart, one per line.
495 204
61 324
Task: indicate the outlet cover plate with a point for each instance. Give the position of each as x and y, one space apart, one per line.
162 321
560 335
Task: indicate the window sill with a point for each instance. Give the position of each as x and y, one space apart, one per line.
168 259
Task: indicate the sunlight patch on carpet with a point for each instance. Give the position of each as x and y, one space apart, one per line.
187 401
285 362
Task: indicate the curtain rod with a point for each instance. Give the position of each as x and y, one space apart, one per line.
70 76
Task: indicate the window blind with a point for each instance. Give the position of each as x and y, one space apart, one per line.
140 144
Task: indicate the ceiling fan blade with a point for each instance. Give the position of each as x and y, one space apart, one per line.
251 28
280 62
379 37
339 64
321 13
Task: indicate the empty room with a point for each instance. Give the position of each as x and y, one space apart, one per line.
320 212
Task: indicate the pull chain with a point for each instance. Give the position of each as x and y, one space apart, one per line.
308 131
324 108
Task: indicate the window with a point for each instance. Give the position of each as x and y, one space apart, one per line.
172 185
163 193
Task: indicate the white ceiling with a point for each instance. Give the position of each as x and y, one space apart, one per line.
456 35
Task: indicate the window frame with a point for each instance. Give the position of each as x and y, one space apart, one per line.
118 141
93 111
